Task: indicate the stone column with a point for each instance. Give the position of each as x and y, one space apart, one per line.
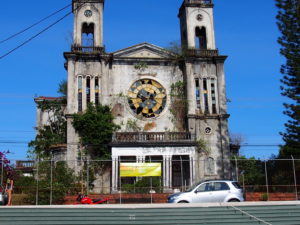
201 95
115 167
164 172
92 89
192 170
217 95
191 92
83 93
72 87
104 84
208 83
168 173
221 87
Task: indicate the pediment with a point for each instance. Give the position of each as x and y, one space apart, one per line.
144 50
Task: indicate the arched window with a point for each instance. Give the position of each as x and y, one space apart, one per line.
198 93
213 96
88 90
87 37
79 94
96 90
205 93
201 39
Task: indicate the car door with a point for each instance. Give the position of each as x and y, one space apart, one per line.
221 190
203 193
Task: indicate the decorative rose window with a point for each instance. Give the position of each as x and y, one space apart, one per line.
147 98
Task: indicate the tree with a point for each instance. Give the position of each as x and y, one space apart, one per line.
54 180
5 165
52 133
95 128
4 161
250 171
63 88
288 21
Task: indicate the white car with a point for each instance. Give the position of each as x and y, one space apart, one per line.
210 191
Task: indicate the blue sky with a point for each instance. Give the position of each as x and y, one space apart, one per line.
245 31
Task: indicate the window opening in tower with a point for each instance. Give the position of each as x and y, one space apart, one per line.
87 38
201 39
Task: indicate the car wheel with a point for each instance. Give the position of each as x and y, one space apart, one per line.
233 200
183 202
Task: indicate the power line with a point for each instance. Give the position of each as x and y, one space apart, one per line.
33 25
39 33
30 39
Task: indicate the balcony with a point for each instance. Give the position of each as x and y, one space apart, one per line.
87 49
203 2
202 52
157 138
25 166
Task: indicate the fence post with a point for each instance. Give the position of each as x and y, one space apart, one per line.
51 179
236 169
295 177
2 170
150 184
37 182
181 167
120 180
266 173
87 177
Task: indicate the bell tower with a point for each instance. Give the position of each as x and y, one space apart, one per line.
87 66
197 24
205 83
88 24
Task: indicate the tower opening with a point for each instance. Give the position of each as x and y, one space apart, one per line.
201 39
87 37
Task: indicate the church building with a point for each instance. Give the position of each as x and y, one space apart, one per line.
171 106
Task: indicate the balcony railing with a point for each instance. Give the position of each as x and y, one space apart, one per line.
202 52
121 137
199 1
87 49
24 164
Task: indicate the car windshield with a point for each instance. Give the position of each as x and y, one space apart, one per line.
192 187
236 185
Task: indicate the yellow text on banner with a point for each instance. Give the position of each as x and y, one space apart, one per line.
140 169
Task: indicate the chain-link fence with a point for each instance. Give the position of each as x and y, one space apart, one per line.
47 182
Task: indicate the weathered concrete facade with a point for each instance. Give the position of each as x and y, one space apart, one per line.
137 83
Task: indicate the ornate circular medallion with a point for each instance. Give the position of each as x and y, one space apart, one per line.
208 130
88 13
199 17
147 98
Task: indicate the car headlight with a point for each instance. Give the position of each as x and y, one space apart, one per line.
174 197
